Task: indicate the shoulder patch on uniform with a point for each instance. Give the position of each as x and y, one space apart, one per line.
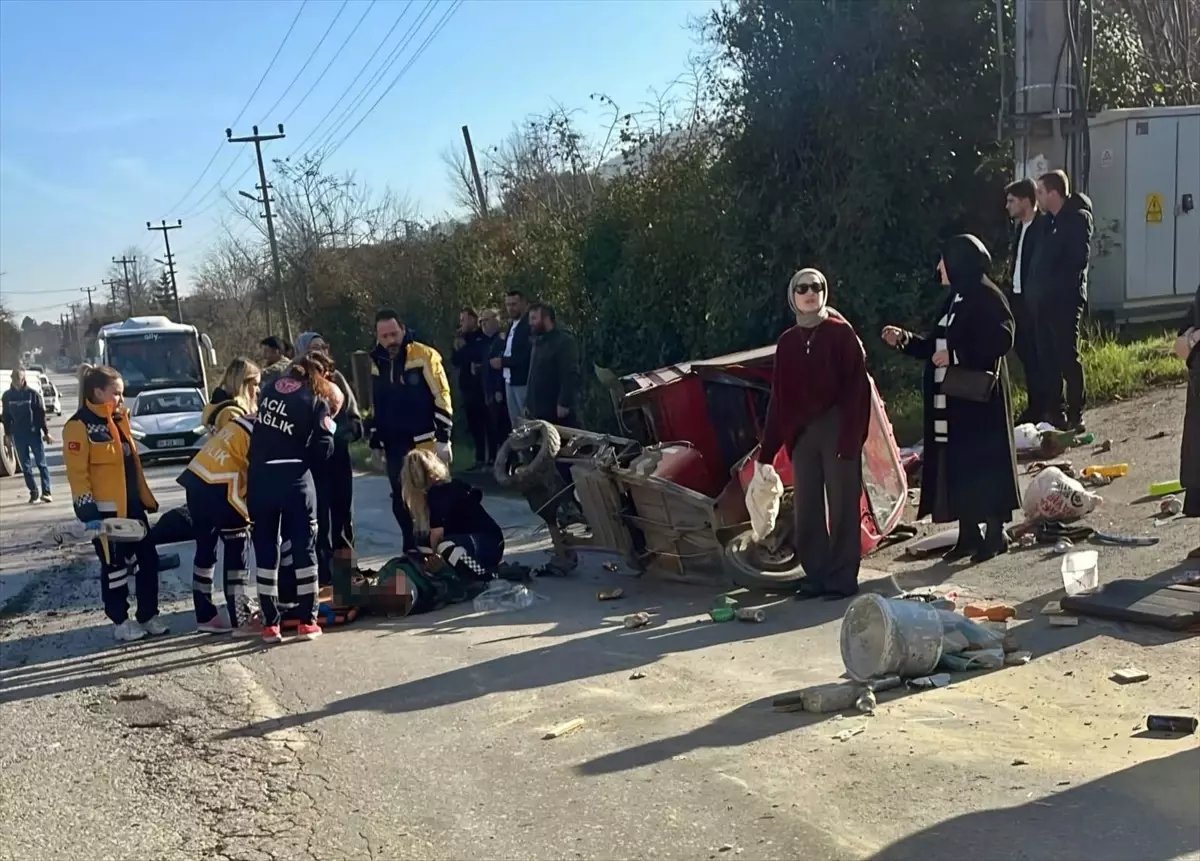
73 446
287 385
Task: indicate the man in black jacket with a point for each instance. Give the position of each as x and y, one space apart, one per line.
552 394
470 357
24 416
1059 295
499 424
1021 204
515 361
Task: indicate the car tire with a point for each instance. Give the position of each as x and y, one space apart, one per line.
746 565
10 464
542 438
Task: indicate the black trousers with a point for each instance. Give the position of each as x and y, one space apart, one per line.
1026 348
477 425
827 542
334 482
215 520
395 454
282 497
1058 348
123 561
499 424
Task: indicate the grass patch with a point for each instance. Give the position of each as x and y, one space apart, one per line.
1114 370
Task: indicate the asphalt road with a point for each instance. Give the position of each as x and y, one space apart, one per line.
422 737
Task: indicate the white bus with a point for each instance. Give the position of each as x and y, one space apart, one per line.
155 353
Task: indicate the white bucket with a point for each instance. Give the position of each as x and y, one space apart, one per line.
1081 571
884 637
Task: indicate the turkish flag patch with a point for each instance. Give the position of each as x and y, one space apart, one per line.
73 446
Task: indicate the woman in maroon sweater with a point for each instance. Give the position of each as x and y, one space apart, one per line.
821 408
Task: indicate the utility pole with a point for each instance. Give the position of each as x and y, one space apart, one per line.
91 307
125 261
257 140
1048 115
483 208
112 285
171 262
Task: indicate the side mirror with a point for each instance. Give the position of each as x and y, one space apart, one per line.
210 354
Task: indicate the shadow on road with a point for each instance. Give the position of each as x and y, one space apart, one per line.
1148 812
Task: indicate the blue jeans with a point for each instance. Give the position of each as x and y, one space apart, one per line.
32 451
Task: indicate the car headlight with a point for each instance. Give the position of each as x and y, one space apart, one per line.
201 430
137 434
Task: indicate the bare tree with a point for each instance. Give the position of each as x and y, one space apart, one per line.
1168 37
462 180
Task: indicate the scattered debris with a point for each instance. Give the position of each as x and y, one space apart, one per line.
637 675
610 566
1119 540
1020 762
721 614
1182 724
610 594
1017 659
937 680
885 683
981 659
637 620
849 733
1063 546
1162 434
866 703
750 614
564 728
1052 608
131 697
1129 675
830 697
789 702
1064 621
1104 447
991 612
1170 506
725 847
1108 470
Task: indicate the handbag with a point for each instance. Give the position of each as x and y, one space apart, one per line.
969 384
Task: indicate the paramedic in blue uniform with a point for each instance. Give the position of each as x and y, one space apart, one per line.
292 429
411 405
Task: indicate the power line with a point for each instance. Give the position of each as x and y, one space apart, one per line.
217 187
35 292
445 19
257 87
329 65
365 66
313 54
392 58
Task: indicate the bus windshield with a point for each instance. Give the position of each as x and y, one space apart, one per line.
155 360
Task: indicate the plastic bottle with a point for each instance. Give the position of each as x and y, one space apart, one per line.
1108 470
502 596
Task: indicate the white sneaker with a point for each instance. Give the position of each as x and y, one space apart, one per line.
155 627
128 631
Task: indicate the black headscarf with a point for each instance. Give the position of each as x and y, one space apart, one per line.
966 260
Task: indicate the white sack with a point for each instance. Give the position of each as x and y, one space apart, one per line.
762 500
1053 495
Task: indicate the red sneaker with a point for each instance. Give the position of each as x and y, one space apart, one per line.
272 634
308 632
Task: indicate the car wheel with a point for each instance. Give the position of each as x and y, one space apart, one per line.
750 564
527 455
9 464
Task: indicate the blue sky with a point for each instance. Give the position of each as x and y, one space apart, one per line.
109 110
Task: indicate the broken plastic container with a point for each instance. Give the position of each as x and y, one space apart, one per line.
1081 571
883 637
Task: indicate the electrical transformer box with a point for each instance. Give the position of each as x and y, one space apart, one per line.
1145 190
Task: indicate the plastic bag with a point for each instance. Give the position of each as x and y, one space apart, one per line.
1027 437
762 500
960 634
1053 495
502 596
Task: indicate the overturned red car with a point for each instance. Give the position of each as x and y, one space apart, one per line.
669 494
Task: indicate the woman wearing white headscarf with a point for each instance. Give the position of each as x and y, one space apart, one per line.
821 410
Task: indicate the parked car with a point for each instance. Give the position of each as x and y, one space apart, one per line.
670 496
51 396
166 423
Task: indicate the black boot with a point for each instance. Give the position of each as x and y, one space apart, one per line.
994 543
969 542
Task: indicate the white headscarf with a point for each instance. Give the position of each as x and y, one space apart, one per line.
809 320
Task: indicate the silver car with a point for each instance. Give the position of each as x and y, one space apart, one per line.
167 423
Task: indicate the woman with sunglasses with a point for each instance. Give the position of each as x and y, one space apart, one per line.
821 409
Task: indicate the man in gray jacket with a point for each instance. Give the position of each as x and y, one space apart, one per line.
552 393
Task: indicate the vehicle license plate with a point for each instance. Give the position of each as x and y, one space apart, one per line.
170 443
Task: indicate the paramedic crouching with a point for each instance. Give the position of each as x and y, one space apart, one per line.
293 428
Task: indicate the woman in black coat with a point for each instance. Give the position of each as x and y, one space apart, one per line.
969 472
